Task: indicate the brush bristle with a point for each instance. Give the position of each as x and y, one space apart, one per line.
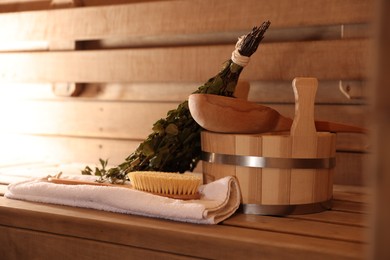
165 182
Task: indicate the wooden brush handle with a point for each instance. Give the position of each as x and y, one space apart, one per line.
78 182
195 196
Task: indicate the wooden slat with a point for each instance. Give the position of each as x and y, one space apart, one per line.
337 217
347 206
161 18
110 120
23 5
353 142
131 120
31 5
300 227
353 197
342 59
68 149
42 245
265 92
312 33
350 168
179 238
379 166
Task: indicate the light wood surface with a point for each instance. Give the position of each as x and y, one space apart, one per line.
131 120
338 59
113 21
276 185
336 234
263 92
304 140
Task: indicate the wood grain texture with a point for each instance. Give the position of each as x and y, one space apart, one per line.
343 59
250 178
337 217
300 227
130 40
162 16
264 92
276 184
304 142
221 144
42 245
379 167
246 237
132 120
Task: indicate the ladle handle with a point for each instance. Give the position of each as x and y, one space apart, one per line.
303 129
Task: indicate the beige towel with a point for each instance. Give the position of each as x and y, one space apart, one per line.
219 199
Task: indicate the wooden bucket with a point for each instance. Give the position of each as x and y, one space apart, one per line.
279 173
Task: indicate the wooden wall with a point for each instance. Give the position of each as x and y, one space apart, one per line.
136 60
379 166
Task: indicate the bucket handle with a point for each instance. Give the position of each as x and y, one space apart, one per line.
303 129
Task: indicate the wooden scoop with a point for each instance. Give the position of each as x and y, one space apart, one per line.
231 115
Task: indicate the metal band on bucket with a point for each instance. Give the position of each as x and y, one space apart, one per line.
283 210
269 162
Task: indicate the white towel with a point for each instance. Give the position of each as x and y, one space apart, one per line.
219 199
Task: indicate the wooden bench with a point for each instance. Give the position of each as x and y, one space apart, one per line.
83 80
41 231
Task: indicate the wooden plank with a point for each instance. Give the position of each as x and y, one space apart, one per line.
353 193
179 238
350 169
353 189
29 5
353 142
23 5
339 59
347 206
300 227
379 166
110 120
265 92
353 197
161 18
26 244
130 120
68 149
337 217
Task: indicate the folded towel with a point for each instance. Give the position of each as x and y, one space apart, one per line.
219 199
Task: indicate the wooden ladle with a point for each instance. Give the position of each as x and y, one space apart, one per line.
231 115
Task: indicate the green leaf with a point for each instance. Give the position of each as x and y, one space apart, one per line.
158 128
103 163
147 149
172 129
231 86
97 172
234 68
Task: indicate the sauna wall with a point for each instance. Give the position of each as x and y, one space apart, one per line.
83 80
